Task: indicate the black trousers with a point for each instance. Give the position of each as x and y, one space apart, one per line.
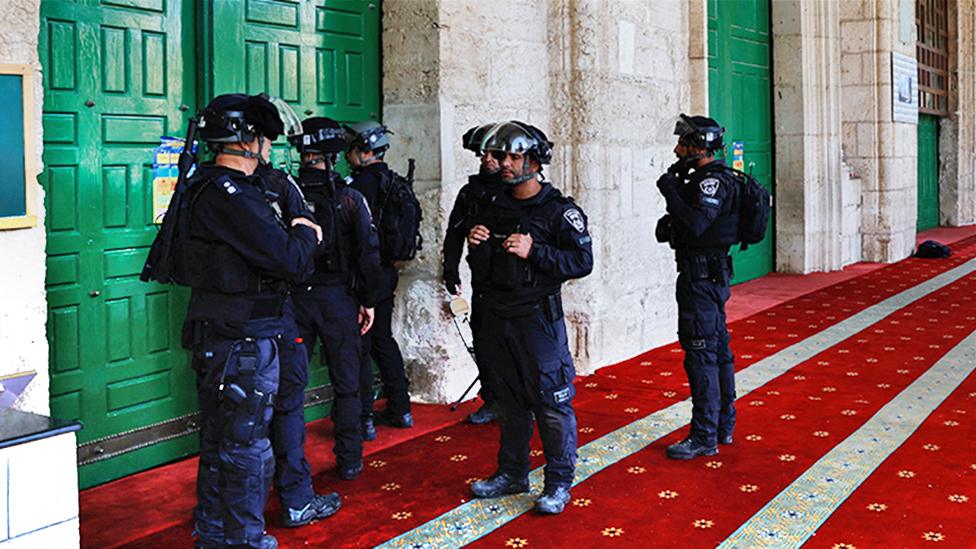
236 461
532 375
293 475
379 344
704 337
330 314
485 374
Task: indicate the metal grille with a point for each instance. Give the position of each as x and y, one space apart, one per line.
932 49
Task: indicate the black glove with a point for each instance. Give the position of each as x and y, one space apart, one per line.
668 183
663 230
451 281
682 166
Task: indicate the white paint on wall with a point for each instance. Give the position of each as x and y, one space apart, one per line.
23 308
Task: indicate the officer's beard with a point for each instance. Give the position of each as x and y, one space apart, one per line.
684 165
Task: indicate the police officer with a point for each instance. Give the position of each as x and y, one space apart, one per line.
702 223
336 303
367 144
530 241
238 256
293 475
471 199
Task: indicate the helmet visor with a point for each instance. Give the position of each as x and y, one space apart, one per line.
510 138
289 119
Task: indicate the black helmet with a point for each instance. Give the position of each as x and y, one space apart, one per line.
474 139
519 138
368 135
235 117
700 132
320 134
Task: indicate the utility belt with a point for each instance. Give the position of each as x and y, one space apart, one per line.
715 266
320 278
550 305
206 304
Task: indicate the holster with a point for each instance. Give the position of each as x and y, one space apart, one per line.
714 267
244 405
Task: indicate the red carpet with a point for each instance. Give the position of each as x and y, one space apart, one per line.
415 481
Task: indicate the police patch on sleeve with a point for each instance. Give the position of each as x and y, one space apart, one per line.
575 219
709 186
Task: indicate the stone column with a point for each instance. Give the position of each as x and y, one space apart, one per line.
449 65
806 71
882 152
601 87
615 82
957 139
698 55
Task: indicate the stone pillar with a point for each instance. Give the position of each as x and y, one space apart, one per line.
806 71
610 100
698 55
883 153
600 87
957 139
23 309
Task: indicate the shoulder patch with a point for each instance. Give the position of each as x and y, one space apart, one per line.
709 186
575 218
227 185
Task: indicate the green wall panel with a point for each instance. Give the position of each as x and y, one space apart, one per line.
740 98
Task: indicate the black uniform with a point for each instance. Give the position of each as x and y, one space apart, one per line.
378 343
523 331
293 475
347 275
471 200
704 224
238 257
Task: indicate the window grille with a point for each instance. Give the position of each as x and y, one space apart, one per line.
932 50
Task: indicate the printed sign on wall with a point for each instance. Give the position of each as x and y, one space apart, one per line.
904 84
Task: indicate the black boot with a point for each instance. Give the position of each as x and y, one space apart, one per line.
486 414
499 484
400 422
321 506
553 500
350 471
369 429
690 449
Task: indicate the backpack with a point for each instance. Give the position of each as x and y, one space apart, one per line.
399 217
931 249
755 207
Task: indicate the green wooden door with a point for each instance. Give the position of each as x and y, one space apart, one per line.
928 171
322 57
740 98
115 76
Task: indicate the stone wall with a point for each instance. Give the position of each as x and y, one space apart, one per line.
23 308
957 138
810 201
600 87
882 152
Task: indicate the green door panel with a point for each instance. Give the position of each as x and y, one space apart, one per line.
928 172
740 98
114 80
322 57
118 74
